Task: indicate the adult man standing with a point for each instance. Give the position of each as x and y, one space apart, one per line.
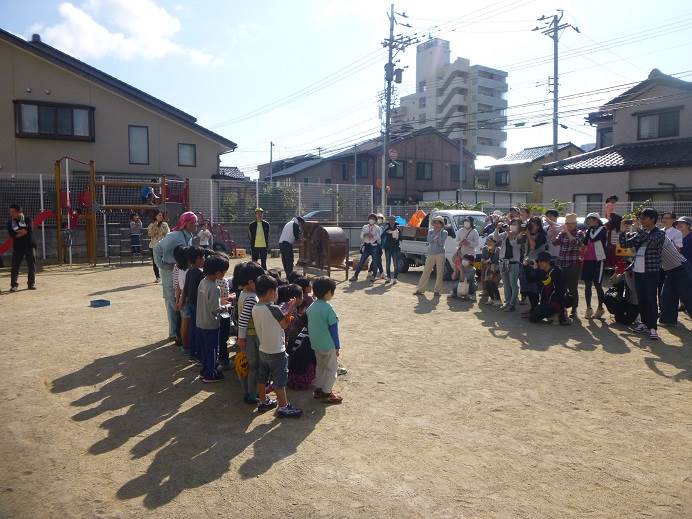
647 240
568 241
163 257
677 286
19 228
552 228
289 234
258 231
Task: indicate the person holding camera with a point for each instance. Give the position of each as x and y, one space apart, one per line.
595 243
569 241
552 292
506 236
534 241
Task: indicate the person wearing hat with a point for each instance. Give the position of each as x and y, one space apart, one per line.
551 304
684 225
370 238
376 268
435 258
258 232
467 241
391 244
552 228
164 259
595 241
569 241
491 222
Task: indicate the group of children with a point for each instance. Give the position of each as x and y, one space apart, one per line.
285 337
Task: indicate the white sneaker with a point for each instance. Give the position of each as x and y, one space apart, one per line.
395 281
653 335
382 276
13 289
387 281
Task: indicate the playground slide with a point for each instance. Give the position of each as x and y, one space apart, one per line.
40 218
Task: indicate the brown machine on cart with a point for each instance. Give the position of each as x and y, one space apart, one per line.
323 248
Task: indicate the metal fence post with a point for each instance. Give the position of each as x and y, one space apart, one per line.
43 226
106 252
336 205
211 201
300 200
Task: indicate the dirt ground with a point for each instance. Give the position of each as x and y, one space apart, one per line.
450 410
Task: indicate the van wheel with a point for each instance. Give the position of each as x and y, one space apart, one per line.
448 271
403 264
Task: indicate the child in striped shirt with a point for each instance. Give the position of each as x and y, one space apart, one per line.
247 336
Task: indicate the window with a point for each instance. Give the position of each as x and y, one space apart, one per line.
421 86
138 137
657 126
344 172
362 169
54 121
399 171
587 203
187 154
604 137
422 102
306 180
421 118
482 183
327 180
423 170
484 141
502 178
454 173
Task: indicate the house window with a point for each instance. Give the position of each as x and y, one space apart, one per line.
54 121
421 102
399 171
658 126
502 178
327 180
306 180
344 172
604 137
138 137
423 170
587 203
454 173
362 169
421 86
187 154
482 183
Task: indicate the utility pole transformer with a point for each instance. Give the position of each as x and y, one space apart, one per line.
552 29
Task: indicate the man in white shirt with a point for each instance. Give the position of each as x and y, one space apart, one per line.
289 235
672 233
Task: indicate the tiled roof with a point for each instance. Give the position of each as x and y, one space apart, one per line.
624 157
53 55
531 154
297 168
232 172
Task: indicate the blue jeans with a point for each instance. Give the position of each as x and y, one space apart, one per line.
392 255
209 347
169 299
368 252
510 280
677 287
376 266
646 284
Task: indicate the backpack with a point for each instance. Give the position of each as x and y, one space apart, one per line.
617 302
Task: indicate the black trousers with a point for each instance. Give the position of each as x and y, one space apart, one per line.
17 257
286 257
156 270
260 253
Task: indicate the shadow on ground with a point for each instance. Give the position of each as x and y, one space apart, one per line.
193 446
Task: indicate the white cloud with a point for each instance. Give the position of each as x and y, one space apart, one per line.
136 29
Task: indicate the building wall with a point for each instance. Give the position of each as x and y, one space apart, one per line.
625 124
564 187
454 93
112 115
521 175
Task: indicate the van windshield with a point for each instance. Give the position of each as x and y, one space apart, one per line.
478 222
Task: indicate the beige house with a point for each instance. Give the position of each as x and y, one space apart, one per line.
53 105
644 149
515 172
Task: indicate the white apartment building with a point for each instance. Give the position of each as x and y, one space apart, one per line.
459 99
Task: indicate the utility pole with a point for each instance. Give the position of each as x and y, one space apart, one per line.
552 28
393 45
271 161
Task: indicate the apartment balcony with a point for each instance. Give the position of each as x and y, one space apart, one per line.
495 84
492 151
498 136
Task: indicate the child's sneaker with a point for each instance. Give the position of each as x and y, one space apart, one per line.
640 328
213 379
289 411
268 404
395 281
653 335
14 289
340 370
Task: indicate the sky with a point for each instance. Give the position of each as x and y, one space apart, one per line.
306 74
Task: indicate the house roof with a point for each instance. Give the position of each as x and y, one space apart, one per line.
531 154
231 172
669 153
296 168
656 77
375 145
53 55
